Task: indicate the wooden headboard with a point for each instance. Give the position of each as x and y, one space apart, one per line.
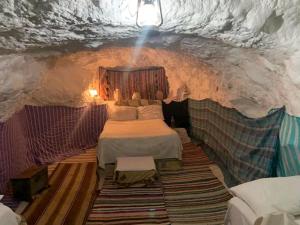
145 80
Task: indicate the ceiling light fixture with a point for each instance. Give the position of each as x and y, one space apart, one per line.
149 13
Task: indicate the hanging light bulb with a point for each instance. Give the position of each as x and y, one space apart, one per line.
149 13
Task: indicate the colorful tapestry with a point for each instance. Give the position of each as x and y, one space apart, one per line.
289 154
147 81
44 134
246 146
191 195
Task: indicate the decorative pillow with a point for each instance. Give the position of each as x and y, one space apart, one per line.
134 103
122 103
136 96
154 102
117 95
150 112
270 195
144 102
122 112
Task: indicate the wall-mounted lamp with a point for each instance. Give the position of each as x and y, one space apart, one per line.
93 92
149 13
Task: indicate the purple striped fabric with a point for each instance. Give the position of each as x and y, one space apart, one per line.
14 154
44 134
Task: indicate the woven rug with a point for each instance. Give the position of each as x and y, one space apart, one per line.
116 206
192 195
69 197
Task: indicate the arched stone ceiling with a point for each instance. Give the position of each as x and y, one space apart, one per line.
27 24
251 47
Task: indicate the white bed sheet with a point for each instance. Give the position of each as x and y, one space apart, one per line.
239 213
137 138
8 217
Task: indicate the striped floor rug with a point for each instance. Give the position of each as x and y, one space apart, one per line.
69 197
117 206
192 195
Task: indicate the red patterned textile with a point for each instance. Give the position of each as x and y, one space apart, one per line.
44 134
147 81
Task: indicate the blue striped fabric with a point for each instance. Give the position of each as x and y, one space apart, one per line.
289 154
246 146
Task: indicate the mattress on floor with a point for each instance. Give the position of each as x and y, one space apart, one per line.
137 138
239 213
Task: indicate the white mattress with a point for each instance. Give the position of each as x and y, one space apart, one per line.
137 138
239 213
8 217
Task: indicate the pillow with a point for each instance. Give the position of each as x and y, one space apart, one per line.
117 95
134 103
122 113
154 102
144 102
136 96
270 195
150 112
122 103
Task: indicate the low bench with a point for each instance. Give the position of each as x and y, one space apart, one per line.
135 170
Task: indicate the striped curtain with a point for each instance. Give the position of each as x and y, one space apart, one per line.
246 146
44 134
147 81
289 154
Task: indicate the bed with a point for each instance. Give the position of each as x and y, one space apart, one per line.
8 217
267 201
135 125
137 138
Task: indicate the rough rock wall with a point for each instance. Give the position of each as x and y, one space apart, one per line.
20 75
250 80
253 80
26 24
